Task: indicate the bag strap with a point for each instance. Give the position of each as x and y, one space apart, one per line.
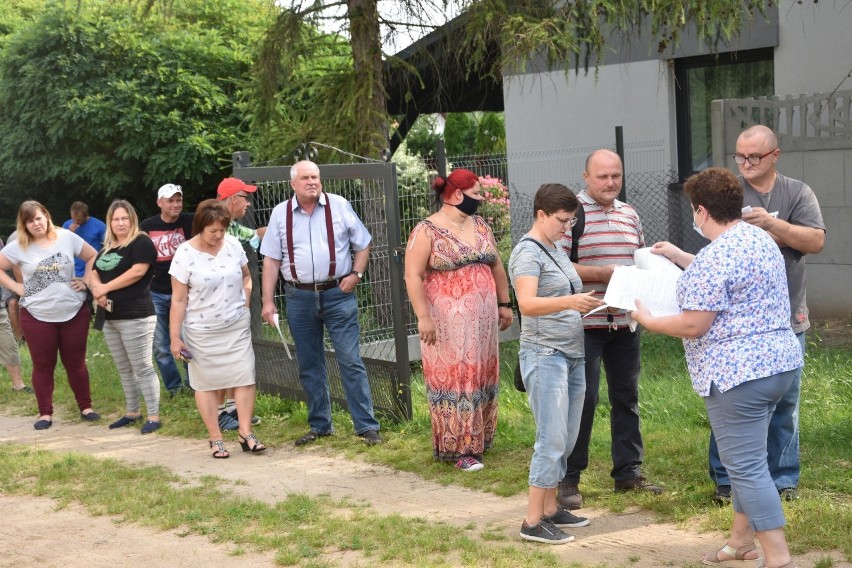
577 232
547 252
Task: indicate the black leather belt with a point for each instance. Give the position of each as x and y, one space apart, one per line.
315 286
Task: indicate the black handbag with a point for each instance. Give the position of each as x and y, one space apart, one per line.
519 380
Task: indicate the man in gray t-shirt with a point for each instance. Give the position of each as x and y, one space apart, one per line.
788 210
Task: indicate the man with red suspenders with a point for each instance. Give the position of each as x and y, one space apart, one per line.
308 241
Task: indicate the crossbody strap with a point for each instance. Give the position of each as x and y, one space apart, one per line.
547 252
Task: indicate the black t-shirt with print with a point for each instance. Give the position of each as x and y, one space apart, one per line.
134 301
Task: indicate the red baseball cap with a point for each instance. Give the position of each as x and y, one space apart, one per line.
232 186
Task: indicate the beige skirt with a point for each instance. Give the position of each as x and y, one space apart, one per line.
221 358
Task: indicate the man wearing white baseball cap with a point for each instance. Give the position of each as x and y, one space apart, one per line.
168 230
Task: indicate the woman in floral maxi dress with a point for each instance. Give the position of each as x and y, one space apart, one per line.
460 294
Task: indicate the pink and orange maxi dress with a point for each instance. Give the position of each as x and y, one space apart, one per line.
462 368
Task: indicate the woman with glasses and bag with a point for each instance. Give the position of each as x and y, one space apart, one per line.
460 294
552 356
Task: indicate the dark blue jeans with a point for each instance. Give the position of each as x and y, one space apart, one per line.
308 314
619 352
162 344
782 443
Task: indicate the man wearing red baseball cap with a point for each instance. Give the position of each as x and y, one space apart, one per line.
235 193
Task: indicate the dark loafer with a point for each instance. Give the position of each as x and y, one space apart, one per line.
43 424
123 421
310 437
150 426
372 437
91 417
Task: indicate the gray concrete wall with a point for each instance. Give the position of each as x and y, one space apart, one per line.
814 52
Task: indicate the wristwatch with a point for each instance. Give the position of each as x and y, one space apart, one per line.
360 275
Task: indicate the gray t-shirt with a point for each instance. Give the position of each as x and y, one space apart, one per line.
795 203
560 330
48 272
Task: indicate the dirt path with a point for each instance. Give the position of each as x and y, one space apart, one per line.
36 534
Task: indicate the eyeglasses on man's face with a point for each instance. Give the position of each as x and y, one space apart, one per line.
753 160
565 222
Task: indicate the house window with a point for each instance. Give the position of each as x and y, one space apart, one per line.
700 80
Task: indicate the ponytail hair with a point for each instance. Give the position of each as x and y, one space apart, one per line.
459 179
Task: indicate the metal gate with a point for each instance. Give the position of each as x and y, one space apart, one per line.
372 190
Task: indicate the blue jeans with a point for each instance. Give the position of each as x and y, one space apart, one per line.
740 417
556 385
782 442
308 312
162 343
619 352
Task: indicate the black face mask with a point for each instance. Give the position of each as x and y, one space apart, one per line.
469 205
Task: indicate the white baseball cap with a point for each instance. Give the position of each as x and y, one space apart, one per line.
169 190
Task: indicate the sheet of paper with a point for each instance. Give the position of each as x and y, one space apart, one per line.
655 289
283 341
646 260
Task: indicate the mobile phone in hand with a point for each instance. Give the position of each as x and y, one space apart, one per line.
185 354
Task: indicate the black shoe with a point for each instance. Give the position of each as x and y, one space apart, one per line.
722 496
311 437
569 496
636 484
562 519
124 421
372 437
24 389
91 416
43 424
545 532
150 426
789 493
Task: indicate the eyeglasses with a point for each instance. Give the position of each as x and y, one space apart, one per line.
753 160
565 222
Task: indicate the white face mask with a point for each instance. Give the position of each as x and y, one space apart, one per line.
697 227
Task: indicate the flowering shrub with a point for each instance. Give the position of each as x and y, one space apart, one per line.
495 208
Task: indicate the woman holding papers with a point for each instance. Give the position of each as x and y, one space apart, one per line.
211 289
741 353
552 354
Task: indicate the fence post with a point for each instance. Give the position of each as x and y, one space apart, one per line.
441 158
619 149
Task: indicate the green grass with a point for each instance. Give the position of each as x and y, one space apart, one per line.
674 425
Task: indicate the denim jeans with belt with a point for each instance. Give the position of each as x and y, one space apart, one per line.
308 312
555 386
782 442
162 343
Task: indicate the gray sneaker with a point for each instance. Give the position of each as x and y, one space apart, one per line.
227 423
545 532
563 519
569 496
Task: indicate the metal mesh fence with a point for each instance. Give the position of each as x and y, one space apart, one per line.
375 294
654 193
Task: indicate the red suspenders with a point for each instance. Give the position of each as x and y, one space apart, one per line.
329 229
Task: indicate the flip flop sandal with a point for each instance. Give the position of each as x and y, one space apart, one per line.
738 560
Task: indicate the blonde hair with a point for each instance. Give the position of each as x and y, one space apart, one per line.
109 237
26 213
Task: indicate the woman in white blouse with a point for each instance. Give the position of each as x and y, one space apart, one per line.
210 322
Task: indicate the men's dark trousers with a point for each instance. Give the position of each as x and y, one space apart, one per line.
619 352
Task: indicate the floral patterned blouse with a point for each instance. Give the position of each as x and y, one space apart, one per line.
741 276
